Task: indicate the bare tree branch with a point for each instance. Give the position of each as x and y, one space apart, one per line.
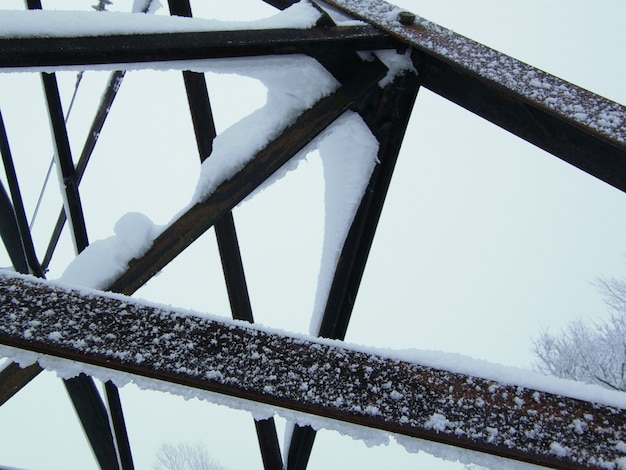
590 352
184 456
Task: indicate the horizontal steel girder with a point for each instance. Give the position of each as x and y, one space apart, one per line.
319 378
135 48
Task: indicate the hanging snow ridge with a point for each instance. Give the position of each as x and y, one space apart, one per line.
349 155
294 84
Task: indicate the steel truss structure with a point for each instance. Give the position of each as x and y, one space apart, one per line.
492 85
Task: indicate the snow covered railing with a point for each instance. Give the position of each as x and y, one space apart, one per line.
580 127
316 377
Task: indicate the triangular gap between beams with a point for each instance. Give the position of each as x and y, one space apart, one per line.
481 229
193 280
48 405
280 233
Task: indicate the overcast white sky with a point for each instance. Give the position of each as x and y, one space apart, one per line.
483 242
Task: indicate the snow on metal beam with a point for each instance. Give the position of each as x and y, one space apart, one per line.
110 92
203 215
82 389
580 127
386 112
318 378
226 234
134 48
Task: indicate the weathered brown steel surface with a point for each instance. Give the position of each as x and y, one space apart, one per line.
580 127
386 112
137 48
199 218
227 240
13 378
312 377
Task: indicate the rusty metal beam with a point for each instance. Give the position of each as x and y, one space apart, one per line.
318 378
137 48
203 215
27 245
226 234
65 164
10 233
113 85
387 113
580 127
82 390
14 377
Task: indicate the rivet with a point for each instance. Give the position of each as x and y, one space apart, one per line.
406 18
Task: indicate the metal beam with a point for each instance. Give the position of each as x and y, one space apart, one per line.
573 124
203 215
116 413
94 419
588 149
387 113
110 92
10 233
300 447
64 161
136 48
82 390
319 378
19 245
18 205
228 245
204 129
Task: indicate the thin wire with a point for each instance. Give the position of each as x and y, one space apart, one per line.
101 6
79 77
